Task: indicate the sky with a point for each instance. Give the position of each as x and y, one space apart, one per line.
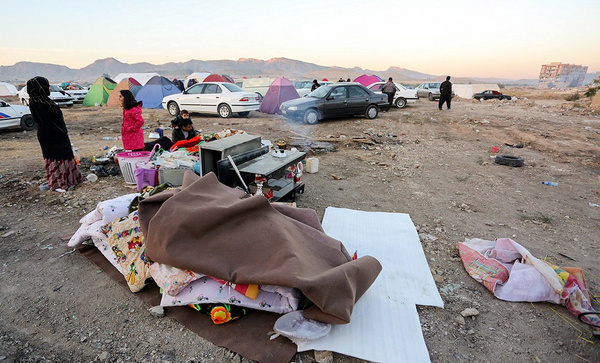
463 38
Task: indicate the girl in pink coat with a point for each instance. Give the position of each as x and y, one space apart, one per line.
131 130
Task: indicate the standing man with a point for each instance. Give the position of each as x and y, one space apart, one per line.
445 93
389 88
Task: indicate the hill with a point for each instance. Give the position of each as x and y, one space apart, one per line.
243 67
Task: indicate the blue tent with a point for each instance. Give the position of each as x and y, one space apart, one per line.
154 90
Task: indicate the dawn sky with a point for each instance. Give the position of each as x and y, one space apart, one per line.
463 38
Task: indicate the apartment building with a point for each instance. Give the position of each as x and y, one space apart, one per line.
561 75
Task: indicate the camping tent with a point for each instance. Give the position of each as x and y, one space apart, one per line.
142 78
367 80
468 90
281 90
7 89
219 78
127 83
196 76
153 92
99 92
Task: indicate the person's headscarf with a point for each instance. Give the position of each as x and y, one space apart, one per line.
38 89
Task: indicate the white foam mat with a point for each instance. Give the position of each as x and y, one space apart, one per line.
385 324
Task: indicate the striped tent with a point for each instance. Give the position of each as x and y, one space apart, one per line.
127 83
99 92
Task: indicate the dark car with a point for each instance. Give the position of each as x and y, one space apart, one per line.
490 94
335 100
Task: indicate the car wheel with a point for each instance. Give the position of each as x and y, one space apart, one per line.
244 114
509 160
430 97
24 102
500 98
71 105
400 102
173 108
27 123
224 110
311 117
371 112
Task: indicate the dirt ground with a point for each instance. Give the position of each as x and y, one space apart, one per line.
434 165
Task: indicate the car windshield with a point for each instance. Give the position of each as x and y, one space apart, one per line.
55 88
232 87
320 92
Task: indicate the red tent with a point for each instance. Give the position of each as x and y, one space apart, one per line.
367 80
219 78
281 90
325 80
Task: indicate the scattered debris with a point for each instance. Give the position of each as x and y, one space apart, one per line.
67 253
569 257
337 177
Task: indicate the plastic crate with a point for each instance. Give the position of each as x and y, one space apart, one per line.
172 175
128 161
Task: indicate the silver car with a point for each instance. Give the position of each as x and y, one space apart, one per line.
431 91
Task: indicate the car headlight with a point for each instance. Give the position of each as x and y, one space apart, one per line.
293 108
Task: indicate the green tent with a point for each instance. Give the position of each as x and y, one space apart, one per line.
99 92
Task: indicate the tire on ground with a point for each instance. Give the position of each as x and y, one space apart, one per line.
509 160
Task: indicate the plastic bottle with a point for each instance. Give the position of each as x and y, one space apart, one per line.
554 184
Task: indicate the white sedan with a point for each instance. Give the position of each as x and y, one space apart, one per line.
15 115
57 94
221 98
402 97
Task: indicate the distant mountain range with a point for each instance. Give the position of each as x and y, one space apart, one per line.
244 67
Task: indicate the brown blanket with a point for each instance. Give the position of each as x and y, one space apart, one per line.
212 229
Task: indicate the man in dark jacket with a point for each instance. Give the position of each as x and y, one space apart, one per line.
390 90
445 93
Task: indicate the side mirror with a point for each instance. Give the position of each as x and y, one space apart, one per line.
329 98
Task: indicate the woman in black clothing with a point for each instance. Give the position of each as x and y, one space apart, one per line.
60 165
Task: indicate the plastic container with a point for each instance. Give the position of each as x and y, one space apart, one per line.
312 165
128 161
92 177
554 184
172 175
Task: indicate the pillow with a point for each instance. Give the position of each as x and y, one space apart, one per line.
127 243
116 208
171 279
205 290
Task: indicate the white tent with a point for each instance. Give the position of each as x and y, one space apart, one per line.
7 89
142 78
198 76
468 90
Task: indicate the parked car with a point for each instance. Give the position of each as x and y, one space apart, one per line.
304 87
15 115
221 98
260 86
76 92
57 94
335 100
402 97
430 90
490 94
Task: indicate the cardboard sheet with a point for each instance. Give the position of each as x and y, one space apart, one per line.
385 325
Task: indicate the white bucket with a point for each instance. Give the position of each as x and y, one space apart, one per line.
312 165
